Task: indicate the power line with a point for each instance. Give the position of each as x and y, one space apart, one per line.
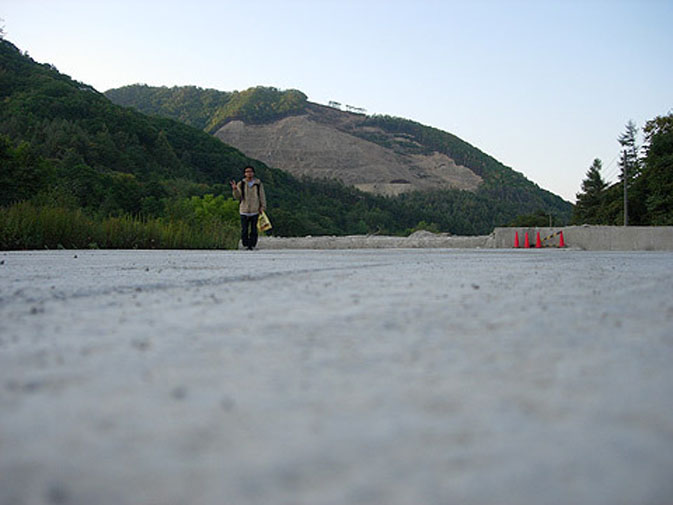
614 175
613 172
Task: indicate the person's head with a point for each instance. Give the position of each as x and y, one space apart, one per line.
249 173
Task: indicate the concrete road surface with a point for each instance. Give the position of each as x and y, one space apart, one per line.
300 377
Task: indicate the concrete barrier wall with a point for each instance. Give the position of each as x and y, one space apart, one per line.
417 240
594 238
590 238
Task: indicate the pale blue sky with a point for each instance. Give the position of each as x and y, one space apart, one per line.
543 86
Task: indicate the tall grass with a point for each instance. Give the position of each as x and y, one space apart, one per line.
29 226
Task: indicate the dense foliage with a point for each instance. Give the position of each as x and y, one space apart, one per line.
191 105
649 180
209 109
55 131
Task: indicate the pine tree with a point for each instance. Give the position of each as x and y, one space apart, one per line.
588 208
630 160
630 164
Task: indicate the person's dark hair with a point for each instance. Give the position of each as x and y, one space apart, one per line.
250 167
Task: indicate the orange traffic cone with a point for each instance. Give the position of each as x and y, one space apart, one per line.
516 239
561 242
538 243
526 242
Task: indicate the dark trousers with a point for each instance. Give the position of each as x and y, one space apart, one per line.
249 230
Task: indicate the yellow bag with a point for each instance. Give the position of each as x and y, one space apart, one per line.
263 223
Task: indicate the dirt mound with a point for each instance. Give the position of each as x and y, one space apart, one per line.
324 143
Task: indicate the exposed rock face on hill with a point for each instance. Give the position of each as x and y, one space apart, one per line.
328 143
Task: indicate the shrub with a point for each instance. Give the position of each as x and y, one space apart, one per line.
28 226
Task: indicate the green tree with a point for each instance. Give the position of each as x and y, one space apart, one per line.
22 172
536 219
165 154
589 206
633 189
658 169
215 207
630 159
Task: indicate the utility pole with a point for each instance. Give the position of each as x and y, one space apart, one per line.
626 196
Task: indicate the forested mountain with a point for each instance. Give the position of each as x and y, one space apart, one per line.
62 143
374 153
377 154
62 133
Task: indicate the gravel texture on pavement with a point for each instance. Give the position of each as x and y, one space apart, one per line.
331 377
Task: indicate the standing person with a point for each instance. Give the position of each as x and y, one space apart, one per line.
250 192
